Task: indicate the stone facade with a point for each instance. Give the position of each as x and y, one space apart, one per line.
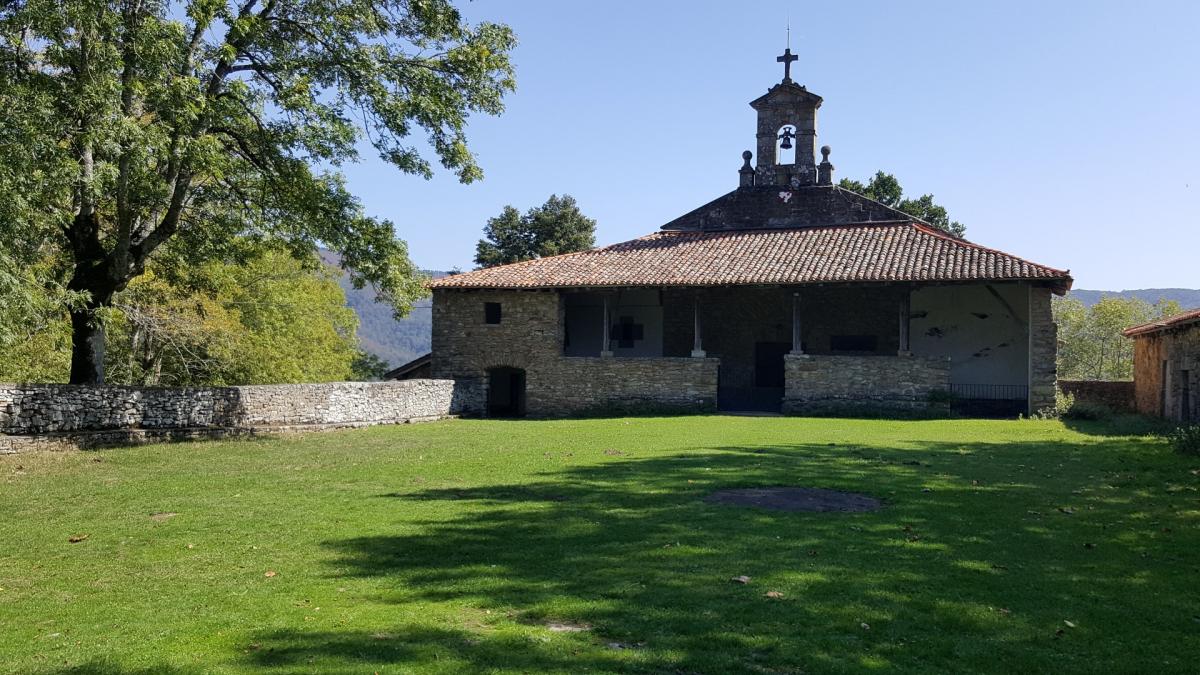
738 325
36 416
529 337
817 383
1175 355
1043 350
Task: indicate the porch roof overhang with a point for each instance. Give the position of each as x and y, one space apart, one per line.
877 252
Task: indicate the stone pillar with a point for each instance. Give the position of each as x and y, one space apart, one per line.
605 338
1043 350
746 173
697 347
825 169
797 339
905 317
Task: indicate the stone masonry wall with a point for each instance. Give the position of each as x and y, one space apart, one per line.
1177 352
529 337
814 383
1113 394
38 416
571 385
1043 350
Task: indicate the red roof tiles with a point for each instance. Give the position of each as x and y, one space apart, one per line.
873 252
1177 321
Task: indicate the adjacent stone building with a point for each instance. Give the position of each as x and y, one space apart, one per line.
1166 367
787 294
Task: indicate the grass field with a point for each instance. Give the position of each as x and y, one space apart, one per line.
585 546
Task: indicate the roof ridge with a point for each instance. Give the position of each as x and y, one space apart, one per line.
889 251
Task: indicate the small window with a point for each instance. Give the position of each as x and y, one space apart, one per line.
491 312
853 343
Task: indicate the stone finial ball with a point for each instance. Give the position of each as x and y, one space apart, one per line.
747 155
825 150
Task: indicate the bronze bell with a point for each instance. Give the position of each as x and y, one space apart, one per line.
786 137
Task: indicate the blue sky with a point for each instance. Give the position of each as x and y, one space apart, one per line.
1064 132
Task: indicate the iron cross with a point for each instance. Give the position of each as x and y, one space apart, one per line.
787 59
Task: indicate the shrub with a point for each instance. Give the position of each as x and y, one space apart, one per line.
1186 440
1067 408
1084 410
1062 405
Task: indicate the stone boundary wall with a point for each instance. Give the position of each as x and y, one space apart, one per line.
1115 395
51 417
573 385
819 383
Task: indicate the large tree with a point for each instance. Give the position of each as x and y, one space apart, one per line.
132 123
885 189
556 227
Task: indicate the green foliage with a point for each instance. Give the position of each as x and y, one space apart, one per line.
132 123
1186 440
367 367
1091 346
556 227
264 318
1086 410
885 189
1063 402
268 319
382 543
34 341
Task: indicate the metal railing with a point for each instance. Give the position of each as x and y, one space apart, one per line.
991 392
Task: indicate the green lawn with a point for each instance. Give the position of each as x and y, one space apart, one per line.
451 547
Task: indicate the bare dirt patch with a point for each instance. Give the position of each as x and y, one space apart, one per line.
796 499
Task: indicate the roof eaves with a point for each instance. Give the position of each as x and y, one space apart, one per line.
1159 325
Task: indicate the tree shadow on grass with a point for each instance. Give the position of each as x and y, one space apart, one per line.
1125 424
977 557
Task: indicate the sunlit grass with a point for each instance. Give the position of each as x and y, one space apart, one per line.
452 547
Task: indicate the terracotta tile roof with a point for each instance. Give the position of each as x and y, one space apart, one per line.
1177 321
874 252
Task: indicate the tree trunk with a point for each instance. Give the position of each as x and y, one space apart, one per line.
87 346
93 275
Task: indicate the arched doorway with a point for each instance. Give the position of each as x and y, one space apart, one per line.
506 392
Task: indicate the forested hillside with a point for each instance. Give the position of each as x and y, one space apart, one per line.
396 342
1186 297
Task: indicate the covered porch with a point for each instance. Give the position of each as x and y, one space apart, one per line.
801 348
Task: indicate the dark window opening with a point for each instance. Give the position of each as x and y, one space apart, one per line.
853 343
625 332
491 312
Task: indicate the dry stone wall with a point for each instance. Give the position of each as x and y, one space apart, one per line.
816 383
1114 394
37 416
